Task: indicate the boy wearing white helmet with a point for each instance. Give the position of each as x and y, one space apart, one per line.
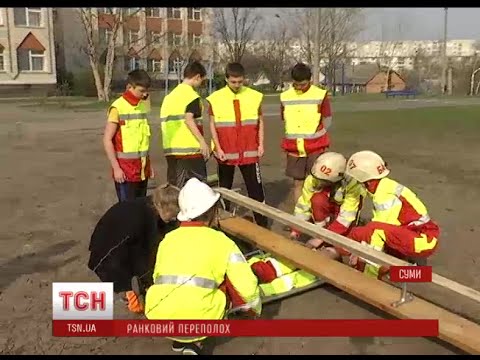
328 198
401 225
196 266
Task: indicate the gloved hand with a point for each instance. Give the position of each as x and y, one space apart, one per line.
134 303
264 271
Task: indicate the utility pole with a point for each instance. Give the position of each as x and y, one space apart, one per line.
445 58
316 49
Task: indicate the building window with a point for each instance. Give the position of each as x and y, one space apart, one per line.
154 65
195 14
174 13
174 39
31 17
132 63
133 37
131 11
106 10
2 59
194 40
152 12
175 66
31 60
1 17
105 35
154 37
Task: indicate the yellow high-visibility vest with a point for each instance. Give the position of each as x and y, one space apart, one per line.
348 195
236 143
192 261
387 207
177 139
301 115
135 132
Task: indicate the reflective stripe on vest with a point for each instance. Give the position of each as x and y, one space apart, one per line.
131 155
302 102
232 123
177 139
234 156
186 280
315 135
236 258
180 151
377 242
137 116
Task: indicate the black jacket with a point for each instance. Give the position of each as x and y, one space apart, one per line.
124 242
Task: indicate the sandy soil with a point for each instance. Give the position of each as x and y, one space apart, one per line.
56 185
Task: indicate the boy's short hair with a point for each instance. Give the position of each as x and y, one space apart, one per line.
235 70
139 77
301 72
193 69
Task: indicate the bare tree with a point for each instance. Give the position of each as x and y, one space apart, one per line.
341 26
390 50
475 70
235 28
182 51
89 19
252 62
306 33
276 54
102 52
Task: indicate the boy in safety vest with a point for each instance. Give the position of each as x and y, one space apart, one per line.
127 138
181 119
198 269
236 124
328 198
306 113
401 225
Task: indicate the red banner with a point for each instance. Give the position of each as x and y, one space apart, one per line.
411 273
264 328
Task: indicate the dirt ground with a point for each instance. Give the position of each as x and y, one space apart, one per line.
56 185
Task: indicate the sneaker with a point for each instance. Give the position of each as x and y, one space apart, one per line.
137 289
178 346
192 349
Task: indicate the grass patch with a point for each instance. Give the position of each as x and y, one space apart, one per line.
407 129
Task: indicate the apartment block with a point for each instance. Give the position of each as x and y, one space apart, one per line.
159 40
398 55
27 55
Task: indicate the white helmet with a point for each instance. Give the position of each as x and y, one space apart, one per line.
329 166
195 199
366 165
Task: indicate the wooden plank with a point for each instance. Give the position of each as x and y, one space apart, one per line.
339 240
453 329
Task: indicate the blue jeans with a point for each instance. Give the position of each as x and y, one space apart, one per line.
131 190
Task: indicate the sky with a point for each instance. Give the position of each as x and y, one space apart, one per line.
415 23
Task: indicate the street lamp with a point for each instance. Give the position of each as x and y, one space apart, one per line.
445 58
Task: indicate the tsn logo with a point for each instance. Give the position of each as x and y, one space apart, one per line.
82 301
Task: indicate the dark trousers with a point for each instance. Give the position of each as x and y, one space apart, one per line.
253 182
179 170
131 190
